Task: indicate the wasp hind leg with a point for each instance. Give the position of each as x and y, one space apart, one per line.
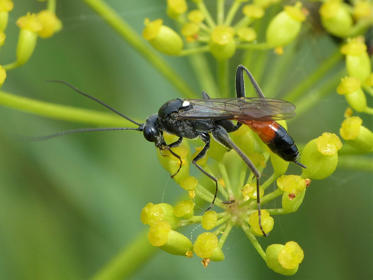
240 83
221 135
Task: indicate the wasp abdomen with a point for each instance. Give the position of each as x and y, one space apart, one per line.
276 137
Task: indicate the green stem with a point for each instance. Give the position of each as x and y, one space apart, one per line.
225 234
278 211
11 66
207 196
254 46
232 12
277 71
254 241
194 50
51 6
220 11
201 6
356 162
271 196
269 181
242 23
316 95
223 77
131 37
368 90
60 112
226 179
315 77
127 262
203 74
368 110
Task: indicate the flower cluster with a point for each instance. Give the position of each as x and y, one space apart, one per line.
237 189
223 36
43 24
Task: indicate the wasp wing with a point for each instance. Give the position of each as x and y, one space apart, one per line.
260 109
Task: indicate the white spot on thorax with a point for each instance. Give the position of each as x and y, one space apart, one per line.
186 103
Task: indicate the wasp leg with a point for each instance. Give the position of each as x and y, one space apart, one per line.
205 95
206 138
222 136
176 143
172 145
240 83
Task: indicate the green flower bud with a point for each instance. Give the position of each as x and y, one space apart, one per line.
162 37
161 235
357 59
285 26
336 18
184 209
209 220
355 96
196 16
279 165
253 11
154 213
363 10
189 183
190 31
222 44
267 223
5 7
356 134
291 203
291 184
265 3
249 191
206 247
2 75
175 8
246 34
284 259
50 23
320 155
30 26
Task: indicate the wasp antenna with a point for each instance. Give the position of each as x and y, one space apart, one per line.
80 130
94 99
298 163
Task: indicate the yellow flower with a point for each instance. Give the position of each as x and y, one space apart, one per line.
50 23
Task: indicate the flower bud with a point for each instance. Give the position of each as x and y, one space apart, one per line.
162 37
222 44
50 23
355 96
285 26
253 11
2 75
5 7
279 165
320 155
266 219
357 59
246 34
249 191
291 203
363 10
196 16
209 220
154 213
291 184
175 8
356 134
161 235
30 26
206 246
336 18
184 209
284 259
190 31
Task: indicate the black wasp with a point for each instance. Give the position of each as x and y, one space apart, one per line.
191 118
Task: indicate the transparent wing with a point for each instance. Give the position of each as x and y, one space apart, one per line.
261 109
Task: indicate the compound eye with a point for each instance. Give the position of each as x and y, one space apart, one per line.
151 134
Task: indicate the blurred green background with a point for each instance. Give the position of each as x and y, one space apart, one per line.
68 205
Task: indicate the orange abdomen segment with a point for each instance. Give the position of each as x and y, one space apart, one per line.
266 130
